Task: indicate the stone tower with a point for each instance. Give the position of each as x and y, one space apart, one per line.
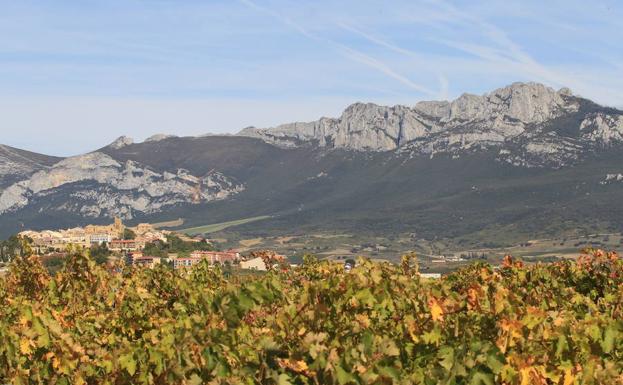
119 227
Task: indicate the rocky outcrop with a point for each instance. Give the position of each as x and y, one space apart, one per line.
361 127
121 142
602 128
612 178
546 150
523 102
101 186
493 117
515 120
158 138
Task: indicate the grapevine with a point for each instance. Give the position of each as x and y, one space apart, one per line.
559 323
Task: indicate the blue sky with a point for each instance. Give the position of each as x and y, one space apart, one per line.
74 75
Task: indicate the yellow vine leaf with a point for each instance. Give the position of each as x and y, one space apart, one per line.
298 366
24 346
472 297
569 377
525 376
363 320
436 311
78 380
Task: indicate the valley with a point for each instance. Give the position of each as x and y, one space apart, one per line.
438 256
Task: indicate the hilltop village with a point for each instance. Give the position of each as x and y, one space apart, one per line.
116 236
141 245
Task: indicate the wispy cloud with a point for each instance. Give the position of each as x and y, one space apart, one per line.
380 66
281 60
343 49
443 81
504 51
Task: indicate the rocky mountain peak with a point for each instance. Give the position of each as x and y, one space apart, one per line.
435 109
493 117
121 142
158 138
526 102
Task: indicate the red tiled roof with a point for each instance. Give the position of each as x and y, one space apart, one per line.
215 252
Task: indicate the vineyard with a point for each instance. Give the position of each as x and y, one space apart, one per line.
557 323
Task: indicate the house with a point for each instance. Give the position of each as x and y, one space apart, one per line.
100 238
146 261
430 275
216 256
180 263
126 244
254 264
45 242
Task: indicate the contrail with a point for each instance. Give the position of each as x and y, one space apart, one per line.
346 51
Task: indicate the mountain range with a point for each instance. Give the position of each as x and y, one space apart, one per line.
523 159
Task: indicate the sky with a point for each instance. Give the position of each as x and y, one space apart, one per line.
75 75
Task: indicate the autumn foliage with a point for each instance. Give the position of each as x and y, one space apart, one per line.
520 324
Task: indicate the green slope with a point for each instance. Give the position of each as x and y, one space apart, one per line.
221 226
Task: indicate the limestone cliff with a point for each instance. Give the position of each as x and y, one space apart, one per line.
514 119
101 186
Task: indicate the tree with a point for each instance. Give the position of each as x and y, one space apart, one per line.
156 249
129 234
15 246
175 244
100 253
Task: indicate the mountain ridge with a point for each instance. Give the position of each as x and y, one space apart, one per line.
437 168
504 117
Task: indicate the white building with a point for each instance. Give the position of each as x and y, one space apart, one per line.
254 264
100 238
430 275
